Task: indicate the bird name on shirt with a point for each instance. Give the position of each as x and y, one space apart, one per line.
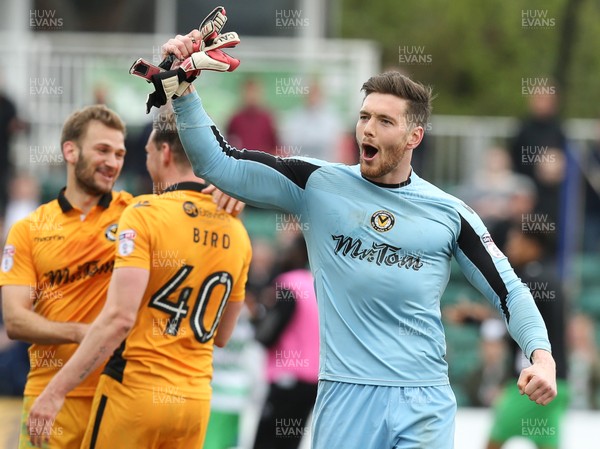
86 270
378 253
212 238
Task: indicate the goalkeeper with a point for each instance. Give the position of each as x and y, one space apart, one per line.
380 240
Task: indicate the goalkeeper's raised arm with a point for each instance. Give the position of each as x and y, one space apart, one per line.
255 177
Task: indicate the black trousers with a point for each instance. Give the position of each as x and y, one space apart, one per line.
283 420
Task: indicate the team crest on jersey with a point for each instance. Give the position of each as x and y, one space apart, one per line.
190 209
490 246
111 233
8 258
382 221
126 242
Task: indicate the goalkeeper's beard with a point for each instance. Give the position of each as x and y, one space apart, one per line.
85 178
388 160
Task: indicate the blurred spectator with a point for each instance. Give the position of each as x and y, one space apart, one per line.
538 151
14 363
24 198
261 270
14 359
252 127
505 199
232 384
348 149
520 210
549 175
537 132
100 94
485 383
584 363
10 124
490 193
591 170
134 166
313 130
287 325
514 414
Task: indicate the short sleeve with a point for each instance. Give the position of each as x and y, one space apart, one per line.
239 288
133 240
17 261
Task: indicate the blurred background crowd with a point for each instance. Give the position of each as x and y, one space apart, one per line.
515 134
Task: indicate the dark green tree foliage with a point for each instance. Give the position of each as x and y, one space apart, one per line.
482 57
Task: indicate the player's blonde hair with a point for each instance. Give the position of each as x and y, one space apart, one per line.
417 95
77 123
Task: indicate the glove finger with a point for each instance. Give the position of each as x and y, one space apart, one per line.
227 40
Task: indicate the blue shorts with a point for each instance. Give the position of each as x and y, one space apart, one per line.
355 416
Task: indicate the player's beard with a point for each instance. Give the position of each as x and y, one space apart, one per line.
84 176
387 161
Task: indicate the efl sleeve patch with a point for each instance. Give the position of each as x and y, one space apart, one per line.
8 258
126 242
490 246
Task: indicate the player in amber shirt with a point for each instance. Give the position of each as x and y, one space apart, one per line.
177 289
57 264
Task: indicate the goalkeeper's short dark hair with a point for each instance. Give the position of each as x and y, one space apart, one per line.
416 94
165 131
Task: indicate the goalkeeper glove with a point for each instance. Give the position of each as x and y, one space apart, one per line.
227 40
209 29
168 83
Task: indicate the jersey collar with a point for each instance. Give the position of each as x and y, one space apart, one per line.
390 186
66 206
187 185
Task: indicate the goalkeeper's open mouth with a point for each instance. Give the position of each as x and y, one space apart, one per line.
368 151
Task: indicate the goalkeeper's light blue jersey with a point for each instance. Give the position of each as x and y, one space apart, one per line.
380 255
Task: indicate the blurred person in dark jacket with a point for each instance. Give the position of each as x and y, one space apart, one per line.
253 127
287 325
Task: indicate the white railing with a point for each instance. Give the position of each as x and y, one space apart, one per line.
51 74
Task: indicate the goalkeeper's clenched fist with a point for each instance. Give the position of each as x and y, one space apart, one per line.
184 46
